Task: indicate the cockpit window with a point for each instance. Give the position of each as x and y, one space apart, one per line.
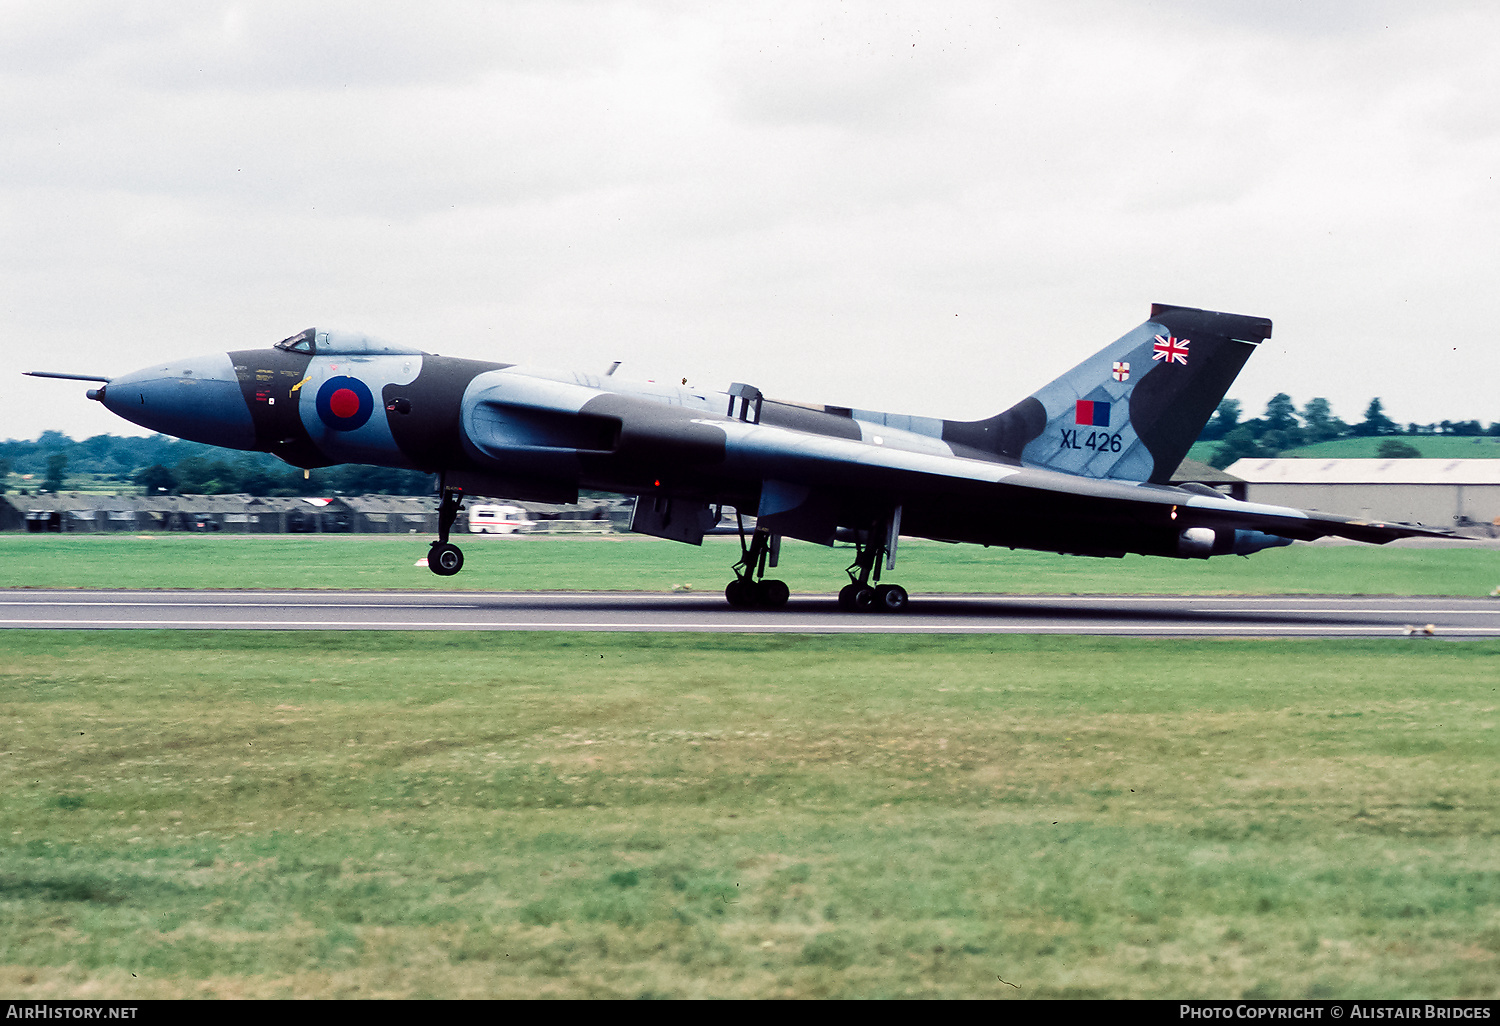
302 342
341 343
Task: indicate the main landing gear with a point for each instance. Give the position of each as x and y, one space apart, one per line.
864 593
443 558
750 589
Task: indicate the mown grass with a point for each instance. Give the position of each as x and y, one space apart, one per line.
1432 447
637 563
467 815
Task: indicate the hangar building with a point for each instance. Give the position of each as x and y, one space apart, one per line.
1438 493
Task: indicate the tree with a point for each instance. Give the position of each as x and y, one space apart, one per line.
257 480
1319 423
357 479
198 475
1280 429
98 446
1281 415
1376 422
1274 443
4 475
1225 419
1238 444
156 478
1394 449
55 464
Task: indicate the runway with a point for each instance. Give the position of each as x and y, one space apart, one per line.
1122 615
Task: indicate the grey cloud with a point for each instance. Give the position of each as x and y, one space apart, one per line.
755 192
284 45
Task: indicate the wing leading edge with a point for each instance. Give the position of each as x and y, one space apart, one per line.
818 484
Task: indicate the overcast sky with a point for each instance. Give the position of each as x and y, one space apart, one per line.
926 207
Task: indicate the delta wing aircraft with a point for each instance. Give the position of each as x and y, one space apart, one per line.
1082 466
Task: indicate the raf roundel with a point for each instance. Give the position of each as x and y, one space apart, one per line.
345 403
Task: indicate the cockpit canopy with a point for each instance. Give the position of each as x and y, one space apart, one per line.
341 343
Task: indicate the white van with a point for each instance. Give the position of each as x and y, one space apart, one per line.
498 520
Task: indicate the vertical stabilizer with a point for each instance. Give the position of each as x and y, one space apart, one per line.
1131 411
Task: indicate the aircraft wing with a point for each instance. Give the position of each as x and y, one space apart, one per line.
1005 501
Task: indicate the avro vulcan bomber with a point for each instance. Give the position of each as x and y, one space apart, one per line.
1081 466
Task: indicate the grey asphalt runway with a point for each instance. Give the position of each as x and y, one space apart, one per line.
1123 615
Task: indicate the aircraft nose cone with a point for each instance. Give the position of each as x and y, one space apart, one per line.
197 399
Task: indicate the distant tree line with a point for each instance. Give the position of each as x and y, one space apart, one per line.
163 465
1283 427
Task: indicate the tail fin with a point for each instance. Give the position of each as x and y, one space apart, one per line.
1132 411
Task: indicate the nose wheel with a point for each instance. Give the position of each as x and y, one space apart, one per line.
444 558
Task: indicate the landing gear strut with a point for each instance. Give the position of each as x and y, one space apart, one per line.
864 593
750 589
445 559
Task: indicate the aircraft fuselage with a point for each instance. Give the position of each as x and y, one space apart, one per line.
501 429
1083 465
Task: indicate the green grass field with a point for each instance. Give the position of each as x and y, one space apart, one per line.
480 815
269 815
1432 447
638 563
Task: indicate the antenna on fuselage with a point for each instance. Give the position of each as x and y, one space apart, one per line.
83 377
612 368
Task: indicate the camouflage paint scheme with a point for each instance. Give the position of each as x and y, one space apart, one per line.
1081 466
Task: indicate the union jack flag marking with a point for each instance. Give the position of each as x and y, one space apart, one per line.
1172 350
1122 372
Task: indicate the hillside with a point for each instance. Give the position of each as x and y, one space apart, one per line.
1431 446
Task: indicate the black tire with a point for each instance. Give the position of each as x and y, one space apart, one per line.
737 593
890 598
846 597
864 599
445 560
773 594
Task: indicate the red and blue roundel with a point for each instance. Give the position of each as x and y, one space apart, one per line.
345 403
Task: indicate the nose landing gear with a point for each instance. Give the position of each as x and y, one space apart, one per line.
443 558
